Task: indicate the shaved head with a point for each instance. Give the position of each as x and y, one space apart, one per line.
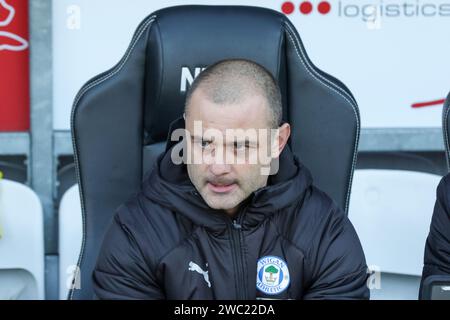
233 126
232 81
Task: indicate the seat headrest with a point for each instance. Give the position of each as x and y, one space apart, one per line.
210 34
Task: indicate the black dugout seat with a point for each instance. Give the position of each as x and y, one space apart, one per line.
120 118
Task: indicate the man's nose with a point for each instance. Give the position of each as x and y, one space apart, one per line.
218 164
219 169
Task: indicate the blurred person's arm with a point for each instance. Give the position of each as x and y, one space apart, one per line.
437 248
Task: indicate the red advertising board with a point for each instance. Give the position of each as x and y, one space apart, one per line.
14 66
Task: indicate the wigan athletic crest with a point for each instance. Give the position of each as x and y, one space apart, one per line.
272 275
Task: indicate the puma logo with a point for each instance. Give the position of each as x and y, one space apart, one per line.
195 267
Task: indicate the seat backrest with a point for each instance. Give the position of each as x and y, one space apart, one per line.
70 236
391 211
22 240
121 117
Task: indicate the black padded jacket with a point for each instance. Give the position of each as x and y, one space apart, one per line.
288 241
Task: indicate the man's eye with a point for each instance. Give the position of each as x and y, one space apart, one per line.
240 145
205 144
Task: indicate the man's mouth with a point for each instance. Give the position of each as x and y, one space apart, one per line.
220 187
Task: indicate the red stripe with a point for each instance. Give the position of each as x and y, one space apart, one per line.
428 103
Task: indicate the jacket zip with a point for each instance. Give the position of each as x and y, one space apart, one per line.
236 247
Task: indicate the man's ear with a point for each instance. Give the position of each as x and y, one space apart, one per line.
281 139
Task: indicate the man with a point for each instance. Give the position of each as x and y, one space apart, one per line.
437 248
215 228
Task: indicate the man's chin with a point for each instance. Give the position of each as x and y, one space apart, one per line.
221 202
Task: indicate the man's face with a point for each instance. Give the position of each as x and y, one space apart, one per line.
228 172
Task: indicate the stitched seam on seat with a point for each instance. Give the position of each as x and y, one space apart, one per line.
280 42
321 80
160 85
115 71
107 76
305 60
445 125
